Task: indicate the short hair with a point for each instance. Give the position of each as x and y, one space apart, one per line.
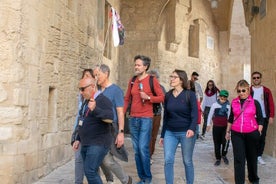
242 83
105 69
195 73
256 72
146 60
154 72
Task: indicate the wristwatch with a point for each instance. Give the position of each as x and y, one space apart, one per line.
121 131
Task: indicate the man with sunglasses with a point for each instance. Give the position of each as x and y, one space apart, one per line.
198 88
264 96
199 96
94 130
79 172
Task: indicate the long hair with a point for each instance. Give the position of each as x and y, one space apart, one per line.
214 89
87 70
191 85
183 77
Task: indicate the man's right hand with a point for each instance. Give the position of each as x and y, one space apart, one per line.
76 145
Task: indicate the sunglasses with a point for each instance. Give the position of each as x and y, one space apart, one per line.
241 91
83 88
256 78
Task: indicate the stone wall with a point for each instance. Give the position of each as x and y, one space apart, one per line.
263 58
162 31
43 45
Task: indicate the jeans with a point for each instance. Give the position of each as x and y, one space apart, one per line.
110 165
197 131
93 156
140 130
205 118
171 141
79 171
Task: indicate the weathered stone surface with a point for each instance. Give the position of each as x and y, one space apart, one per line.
44 45
10 115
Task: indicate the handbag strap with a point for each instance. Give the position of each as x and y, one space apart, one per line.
242 110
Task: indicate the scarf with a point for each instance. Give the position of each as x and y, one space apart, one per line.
223 110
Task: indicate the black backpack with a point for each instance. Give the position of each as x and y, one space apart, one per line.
155 106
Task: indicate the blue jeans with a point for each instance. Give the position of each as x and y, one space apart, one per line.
92 158
171 141
140 130
79 172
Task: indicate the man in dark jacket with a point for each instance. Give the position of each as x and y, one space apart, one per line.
94 127
265 98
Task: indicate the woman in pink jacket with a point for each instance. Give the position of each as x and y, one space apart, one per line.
245 125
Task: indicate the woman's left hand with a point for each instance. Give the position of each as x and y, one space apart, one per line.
190 133
260 129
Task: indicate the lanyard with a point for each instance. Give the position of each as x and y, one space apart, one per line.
84 107
87 112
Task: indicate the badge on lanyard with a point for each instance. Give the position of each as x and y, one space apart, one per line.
80 122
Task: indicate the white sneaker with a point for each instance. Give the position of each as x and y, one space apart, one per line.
261 161
110 182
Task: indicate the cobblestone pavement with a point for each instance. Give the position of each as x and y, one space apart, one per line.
205 171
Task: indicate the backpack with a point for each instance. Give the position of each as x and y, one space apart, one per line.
155 106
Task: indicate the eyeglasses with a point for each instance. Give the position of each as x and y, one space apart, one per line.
173 77
256 78
83 88
241 91
210 84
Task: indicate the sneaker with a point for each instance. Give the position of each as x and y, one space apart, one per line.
129 180
261 161
109 182
225 160
217 163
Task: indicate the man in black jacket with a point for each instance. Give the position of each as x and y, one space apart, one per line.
94 129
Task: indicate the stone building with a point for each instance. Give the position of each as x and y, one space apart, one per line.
44 45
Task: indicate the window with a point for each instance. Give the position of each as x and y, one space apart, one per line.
194 40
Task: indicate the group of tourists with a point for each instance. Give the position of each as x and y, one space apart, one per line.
244 121
99 130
